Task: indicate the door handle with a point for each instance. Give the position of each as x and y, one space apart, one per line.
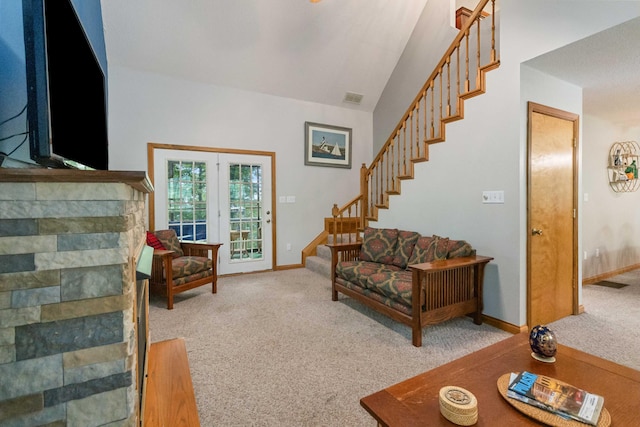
268 221
268 212
535 231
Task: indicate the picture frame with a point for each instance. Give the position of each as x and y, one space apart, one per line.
327 145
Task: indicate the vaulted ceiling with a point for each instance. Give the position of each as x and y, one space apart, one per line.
292 48
318 52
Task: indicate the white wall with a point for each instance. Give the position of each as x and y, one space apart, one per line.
611 222
145 107
487 150
428 42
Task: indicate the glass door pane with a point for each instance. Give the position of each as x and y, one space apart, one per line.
245 206
187 199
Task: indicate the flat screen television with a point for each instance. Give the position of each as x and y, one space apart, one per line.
66 89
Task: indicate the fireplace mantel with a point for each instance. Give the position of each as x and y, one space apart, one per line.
136 179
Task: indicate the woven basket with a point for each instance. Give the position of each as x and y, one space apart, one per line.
547 417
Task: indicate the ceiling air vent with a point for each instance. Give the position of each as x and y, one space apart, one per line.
352 98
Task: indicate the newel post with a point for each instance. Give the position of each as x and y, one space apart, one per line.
364 192
334 213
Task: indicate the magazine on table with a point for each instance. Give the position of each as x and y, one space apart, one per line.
556 396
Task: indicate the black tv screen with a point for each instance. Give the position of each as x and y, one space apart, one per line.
67 106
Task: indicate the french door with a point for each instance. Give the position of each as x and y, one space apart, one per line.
217 197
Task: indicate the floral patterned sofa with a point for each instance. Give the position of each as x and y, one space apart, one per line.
389 266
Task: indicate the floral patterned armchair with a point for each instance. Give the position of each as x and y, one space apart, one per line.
181 266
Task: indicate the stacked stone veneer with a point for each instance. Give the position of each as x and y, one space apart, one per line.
67 296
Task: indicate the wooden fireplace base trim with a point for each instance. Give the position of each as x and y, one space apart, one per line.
169 397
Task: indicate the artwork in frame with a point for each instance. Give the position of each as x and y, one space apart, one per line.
327 145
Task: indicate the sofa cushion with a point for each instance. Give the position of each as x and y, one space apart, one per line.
186 279
459 248
379 245
429 249
376 296
396 285
404 248
357 272
188 265
169 240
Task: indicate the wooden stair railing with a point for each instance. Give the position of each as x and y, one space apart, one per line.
459 75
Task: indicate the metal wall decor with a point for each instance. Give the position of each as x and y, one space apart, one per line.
623 166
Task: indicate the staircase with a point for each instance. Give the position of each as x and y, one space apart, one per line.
321 262
460 75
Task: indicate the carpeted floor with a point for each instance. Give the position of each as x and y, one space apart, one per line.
272 349
610 325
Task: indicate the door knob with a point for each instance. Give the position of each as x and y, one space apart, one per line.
268 212
268 221
535 231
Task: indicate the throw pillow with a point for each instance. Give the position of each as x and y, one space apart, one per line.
153 241
459 248
379 245
429 249
406 241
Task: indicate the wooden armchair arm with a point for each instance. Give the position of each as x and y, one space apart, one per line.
343 252
450 264
160 263
162 252
200 249
460 279
340 247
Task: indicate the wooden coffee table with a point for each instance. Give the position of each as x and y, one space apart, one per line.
414 402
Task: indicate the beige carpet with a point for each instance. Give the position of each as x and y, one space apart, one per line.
610 325
272 349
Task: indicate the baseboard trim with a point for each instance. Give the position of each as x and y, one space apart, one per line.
505 326
605 276
288 267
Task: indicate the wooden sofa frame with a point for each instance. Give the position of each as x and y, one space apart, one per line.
447 288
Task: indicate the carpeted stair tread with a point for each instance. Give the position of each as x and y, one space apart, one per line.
323 251
319 265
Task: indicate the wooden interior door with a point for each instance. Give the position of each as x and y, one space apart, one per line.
552 215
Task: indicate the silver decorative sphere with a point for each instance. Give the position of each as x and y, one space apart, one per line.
543 341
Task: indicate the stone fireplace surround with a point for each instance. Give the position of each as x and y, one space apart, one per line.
68 310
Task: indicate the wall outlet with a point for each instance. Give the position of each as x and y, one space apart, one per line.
288 246
493 196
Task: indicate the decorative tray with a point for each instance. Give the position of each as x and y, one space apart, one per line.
543 416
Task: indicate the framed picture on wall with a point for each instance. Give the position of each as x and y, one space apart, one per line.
327 145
